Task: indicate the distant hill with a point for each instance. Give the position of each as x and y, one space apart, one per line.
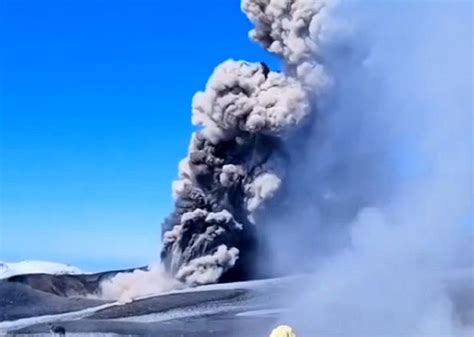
8 269
56 278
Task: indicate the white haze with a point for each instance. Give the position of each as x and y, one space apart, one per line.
400 123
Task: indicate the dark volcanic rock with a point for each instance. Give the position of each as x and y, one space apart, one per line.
20 301
67 285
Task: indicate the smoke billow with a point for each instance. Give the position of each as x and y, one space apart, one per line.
238 159
125 287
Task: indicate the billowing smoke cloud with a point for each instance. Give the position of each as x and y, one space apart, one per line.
381 208
125 287
237 161
293 30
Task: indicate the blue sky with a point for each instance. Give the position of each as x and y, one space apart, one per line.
95 115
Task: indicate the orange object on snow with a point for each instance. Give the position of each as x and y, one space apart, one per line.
283 331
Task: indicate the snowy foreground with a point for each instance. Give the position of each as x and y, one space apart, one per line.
8 269
224 310
215 310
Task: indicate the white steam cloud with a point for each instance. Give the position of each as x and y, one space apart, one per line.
125 287
383 201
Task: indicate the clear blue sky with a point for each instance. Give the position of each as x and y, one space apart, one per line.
95 115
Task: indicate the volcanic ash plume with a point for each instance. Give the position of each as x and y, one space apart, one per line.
293 30
236 161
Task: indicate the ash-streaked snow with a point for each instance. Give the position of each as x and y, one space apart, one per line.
238 309
180 312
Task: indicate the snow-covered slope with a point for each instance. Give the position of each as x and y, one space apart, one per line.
8 269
